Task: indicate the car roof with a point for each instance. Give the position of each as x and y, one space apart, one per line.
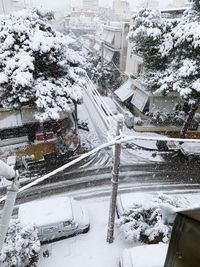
46 211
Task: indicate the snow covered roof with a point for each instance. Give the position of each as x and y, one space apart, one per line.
10 120
125 91
190 149
154 255
46 211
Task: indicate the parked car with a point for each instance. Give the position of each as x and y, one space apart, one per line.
55 218
183 249
191 150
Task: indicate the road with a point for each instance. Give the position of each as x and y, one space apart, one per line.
140 169
91 181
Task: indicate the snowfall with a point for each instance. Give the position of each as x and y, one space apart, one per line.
91 249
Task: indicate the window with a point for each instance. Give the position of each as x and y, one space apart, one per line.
14 132
50 230
139 69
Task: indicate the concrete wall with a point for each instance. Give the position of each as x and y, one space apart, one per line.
164 103
124 47
132 62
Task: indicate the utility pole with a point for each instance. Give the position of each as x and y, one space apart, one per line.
9 173
114 181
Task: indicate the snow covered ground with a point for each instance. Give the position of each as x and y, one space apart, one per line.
91 249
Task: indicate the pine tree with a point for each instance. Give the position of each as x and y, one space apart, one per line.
36 66
170 50
187 61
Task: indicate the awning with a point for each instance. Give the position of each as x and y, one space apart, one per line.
28 115
110 37
139 100
104 35
125 91
10 119
107 54
97 47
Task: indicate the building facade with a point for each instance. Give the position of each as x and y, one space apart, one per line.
9 6
121 10
114 44
90 5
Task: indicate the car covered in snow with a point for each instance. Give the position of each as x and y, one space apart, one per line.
55 218
191 150
183 249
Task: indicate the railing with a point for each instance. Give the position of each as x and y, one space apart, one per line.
102 108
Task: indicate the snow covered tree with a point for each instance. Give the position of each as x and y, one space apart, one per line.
103 73
170 50
186 65
21 246
36 66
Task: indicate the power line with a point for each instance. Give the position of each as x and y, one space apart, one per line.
119 139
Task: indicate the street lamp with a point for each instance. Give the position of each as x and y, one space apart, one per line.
12 175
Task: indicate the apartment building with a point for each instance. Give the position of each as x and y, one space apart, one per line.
121 10
9 6
91 5
114 44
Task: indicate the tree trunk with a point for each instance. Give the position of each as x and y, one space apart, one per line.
188 120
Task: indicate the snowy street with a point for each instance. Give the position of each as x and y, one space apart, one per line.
99 133
91 249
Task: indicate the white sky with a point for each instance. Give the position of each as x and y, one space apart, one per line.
62 4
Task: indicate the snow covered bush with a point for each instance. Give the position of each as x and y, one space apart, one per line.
37 68
21 246
146 222
167 118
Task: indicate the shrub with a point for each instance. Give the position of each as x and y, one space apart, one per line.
21 246
144 222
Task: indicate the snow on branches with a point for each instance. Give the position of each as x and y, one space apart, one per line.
150 222
36 65
21 246
171 51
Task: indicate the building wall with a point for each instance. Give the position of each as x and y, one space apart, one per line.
90 4
114 38
164 104
124 46
8 6
121 10
132 62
